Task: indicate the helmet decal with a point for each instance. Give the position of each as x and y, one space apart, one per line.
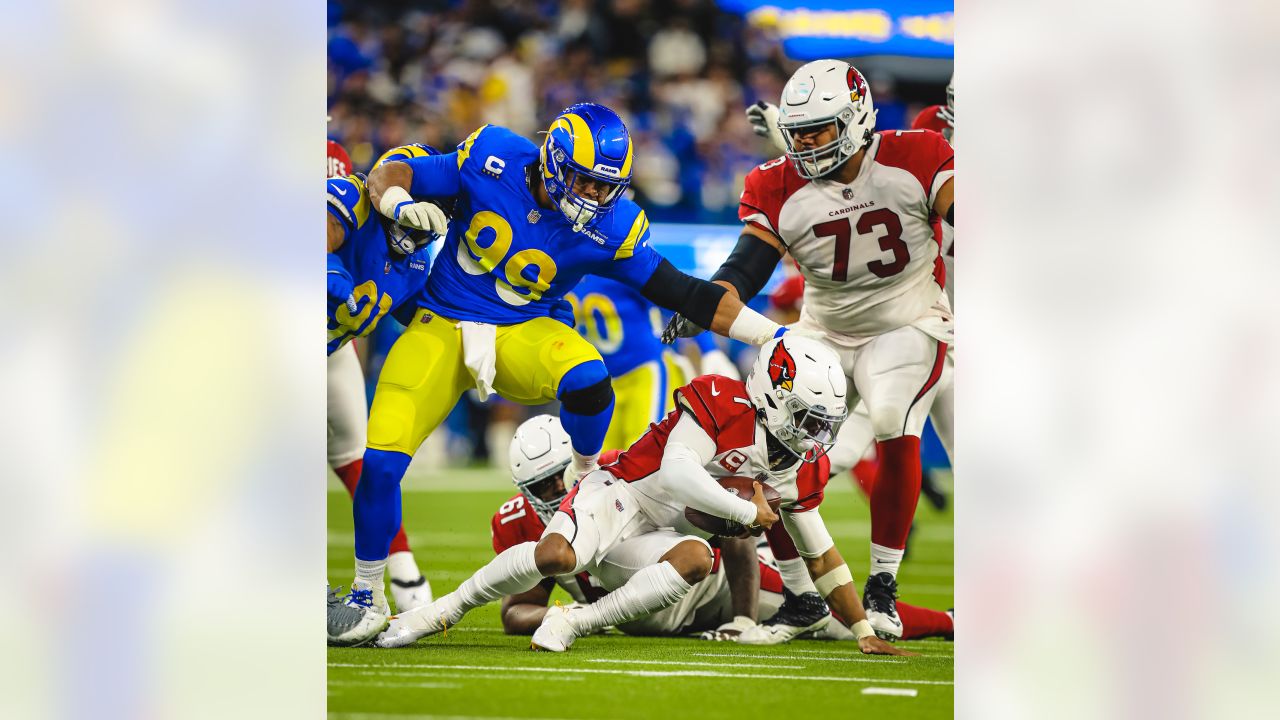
857 84
782 367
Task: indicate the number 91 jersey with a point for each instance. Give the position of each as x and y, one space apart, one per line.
868 250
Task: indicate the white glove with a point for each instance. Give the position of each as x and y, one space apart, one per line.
715 362
730 630
763 117
398 205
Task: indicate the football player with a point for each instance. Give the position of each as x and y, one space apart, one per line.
531 222
625 523
855 209
374 268
625 328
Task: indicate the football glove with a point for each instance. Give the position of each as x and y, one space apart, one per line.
397 204
729 631
763 117
340 284
679 327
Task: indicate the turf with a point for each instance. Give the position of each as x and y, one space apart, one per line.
477 671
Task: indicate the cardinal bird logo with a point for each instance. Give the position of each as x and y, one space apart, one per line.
857 85
782 367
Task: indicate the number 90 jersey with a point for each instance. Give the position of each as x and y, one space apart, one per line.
619 322
867 250
507 259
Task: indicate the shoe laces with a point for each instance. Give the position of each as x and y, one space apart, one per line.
881 591
799 610
362 597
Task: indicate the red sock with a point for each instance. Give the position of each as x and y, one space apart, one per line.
896 491
350 476
865 474
918 622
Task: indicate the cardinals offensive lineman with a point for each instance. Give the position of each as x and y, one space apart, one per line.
855 209
625 522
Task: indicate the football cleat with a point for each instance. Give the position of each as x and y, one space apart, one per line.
555 634
730 631
367 596
351 625
409 588
879 597
799 614
407 628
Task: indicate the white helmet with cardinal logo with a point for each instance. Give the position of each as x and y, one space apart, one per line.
799 392
821 93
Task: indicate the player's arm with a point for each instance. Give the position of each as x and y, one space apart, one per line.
944 202
832 578
393 186
683 475
337 233
742 570
522 613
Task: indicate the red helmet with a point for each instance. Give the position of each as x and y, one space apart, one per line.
930 118
339 160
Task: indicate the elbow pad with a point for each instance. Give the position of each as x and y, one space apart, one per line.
693 298
749 266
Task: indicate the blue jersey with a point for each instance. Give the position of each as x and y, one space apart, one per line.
507 259
619 322
383 280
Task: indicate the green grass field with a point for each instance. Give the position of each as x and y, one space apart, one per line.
478 672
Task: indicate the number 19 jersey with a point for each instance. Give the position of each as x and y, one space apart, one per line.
867 250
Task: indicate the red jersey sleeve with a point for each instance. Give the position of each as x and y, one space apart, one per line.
721 406
923 153
811 481
514 523
766 189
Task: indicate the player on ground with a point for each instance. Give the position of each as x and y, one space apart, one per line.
374 267
531 222
625 328
626 525
855 209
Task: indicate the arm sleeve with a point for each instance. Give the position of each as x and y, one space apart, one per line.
749 266
808 532
435 175
683 475
694 298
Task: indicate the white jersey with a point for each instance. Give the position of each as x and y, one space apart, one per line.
869 251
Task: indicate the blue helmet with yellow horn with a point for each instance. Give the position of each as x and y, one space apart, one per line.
586 142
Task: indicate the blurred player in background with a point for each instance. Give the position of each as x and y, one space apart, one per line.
374 268
531 222
879 300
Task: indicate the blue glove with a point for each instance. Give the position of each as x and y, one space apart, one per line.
340 283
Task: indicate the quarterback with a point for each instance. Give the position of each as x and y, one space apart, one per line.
530 222
625 523
856 210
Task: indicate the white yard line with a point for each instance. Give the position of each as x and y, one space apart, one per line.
499 670
903 692
799 657
415 716
682 662
365 683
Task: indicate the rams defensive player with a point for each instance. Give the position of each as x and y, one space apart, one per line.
530 223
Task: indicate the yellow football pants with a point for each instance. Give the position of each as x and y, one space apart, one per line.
642 396
424 376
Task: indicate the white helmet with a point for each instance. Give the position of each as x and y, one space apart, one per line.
540 451
820 93
799 391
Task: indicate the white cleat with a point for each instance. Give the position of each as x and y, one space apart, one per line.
409 588
555 634
408 628
779 633
799 614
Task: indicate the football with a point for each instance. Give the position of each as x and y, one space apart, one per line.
742 486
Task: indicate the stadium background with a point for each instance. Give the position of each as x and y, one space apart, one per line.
679 72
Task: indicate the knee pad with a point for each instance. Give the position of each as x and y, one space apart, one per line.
586 389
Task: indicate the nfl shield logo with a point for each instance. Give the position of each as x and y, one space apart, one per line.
618 504
848 194
534 216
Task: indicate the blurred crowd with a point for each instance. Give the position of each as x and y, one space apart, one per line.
680 72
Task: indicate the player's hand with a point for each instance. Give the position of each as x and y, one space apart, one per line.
422 216
765 516
679 327
340 284
729 631
715 362
872 645
763 117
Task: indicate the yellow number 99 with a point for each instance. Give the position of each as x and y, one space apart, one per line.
477 259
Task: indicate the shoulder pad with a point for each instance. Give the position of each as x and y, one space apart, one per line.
628 229
922 153
765 190
721 406
349 199
405 152
496 141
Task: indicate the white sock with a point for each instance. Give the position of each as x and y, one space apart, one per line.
513 571
581 465
795 576
370 572
403 567
885 559
651 589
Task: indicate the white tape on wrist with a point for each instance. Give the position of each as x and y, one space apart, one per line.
828 583
391 199
862 629
753 328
